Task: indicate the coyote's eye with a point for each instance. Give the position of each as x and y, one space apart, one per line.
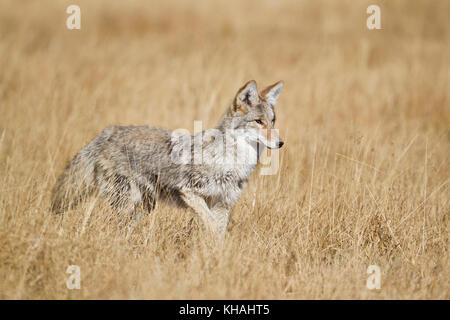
259 121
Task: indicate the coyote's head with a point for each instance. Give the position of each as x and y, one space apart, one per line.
254 112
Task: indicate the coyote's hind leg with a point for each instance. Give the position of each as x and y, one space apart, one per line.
122 194
148 197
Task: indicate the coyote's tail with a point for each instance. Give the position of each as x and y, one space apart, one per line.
74 184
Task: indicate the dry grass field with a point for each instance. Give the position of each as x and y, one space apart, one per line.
364 174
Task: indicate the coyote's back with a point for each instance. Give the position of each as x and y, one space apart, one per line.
112 165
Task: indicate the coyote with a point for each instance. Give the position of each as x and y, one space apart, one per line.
134 166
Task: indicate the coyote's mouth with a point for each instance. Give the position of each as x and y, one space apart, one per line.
272 145
277 145
270 139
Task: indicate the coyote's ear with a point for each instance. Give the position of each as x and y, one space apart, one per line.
247 96
271 93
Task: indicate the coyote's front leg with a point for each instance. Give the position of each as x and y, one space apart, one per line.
221 213
198 204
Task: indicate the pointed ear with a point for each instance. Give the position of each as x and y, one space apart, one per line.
271 93
247 96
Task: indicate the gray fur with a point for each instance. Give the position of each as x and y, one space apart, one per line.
132 166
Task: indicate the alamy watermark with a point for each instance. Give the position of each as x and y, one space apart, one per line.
374 20
73 282
74 20
374 280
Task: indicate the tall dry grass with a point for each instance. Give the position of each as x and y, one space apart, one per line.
364 174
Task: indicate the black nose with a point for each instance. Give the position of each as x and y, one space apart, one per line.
280 144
